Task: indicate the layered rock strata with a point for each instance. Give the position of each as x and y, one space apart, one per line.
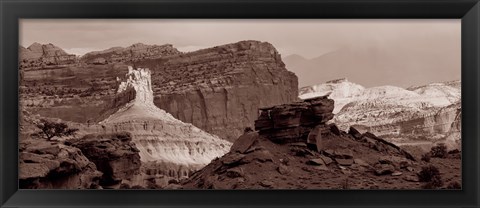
293 122
219 89
165 143
422 113
129 54
38 56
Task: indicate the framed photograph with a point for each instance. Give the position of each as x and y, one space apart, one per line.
239 103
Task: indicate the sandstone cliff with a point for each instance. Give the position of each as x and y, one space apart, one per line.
160 138
219 89
44 56
134 52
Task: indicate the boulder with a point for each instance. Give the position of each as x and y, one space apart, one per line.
326 160
383 169
360 162
344 162
343 153
283 169
397 173
317 161
235 172
244 142
232 159
355 133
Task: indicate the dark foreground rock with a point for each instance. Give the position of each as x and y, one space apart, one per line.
319 157
52 165
114 154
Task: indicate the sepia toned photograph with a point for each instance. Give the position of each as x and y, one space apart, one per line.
320 104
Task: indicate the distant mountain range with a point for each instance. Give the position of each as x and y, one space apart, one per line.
431 111
377 66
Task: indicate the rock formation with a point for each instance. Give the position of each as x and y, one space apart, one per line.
219 89
293 122
115 155
129 54
162 140
51 165
44 56
295 148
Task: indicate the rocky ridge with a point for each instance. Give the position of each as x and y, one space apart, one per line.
129 54
38 56
319 157
395 113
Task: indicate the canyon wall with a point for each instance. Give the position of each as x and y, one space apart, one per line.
220 89
217 89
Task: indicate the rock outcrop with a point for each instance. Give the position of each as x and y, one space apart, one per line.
164 143
38 56
292 122
320 157
52 165
219 89
129 54
115 155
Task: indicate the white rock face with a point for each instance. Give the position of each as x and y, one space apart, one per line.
157 134
428 110
341 90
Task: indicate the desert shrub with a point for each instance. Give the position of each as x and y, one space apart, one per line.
454 185
427 173
426 157
50 129
440 150
430 174
436 182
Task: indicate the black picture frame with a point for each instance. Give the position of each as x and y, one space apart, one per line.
12 10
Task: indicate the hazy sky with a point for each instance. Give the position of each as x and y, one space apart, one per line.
414 41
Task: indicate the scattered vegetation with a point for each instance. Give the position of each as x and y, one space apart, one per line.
426 157
50 129
431 175
440 151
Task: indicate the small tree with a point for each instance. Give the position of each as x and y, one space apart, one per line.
50 129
